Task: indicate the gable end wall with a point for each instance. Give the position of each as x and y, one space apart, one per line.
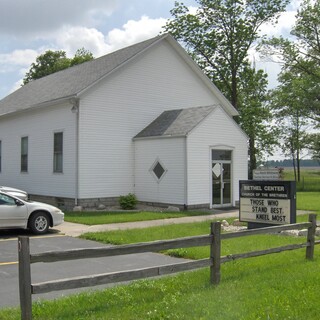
115 110
218 131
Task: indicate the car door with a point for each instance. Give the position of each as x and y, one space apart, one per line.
11 214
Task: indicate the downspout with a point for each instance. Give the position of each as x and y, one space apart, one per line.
134 167
186 173
75 110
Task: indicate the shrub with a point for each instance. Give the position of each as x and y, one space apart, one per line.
128 202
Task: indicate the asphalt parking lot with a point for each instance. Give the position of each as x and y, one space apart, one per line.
40 272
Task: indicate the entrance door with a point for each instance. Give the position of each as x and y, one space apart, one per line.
221 178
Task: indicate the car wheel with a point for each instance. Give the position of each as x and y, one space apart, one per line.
39 223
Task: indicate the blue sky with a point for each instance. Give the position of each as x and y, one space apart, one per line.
30 27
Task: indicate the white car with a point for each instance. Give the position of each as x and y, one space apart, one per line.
15 192
18 213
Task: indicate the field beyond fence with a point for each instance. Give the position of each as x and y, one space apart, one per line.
309 179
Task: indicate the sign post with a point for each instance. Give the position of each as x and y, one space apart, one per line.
266 203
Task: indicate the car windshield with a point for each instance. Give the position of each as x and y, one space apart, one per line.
6 200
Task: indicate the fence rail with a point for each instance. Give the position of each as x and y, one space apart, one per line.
26 288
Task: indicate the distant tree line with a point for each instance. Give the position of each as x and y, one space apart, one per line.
288 163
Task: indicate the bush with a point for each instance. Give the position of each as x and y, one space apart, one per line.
128 202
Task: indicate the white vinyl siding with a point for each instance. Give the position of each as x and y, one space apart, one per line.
0 155
170 153
217 131
107 162
188 160
39 125
121 106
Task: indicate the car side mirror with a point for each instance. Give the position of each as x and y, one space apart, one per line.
19 203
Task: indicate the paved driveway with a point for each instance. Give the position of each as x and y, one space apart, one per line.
9 288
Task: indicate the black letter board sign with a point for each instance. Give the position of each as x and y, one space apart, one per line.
265 203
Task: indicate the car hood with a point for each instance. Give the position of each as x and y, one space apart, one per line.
15 192
41 205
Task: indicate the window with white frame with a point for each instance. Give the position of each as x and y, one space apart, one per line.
58 152
24 154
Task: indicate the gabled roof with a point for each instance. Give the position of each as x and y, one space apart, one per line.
72 82
175 123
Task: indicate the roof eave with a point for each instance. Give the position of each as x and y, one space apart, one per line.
41 105
160 137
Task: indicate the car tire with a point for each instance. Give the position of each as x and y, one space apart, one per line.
39 223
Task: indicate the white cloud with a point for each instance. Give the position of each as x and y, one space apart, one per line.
36 17
16 86
70 39
18 62
134 31
294 5
192 9
285 23
19 57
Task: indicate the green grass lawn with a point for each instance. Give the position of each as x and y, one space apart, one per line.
308 201
186 230
279 286
103 217
305 201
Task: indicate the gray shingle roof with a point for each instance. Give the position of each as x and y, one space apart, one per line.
175 122
71 81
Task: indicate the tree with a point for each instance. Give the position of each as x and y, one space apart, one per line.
47 63
218 37
301 59
313 141
291 117
53 61
82 55
220 34
255 115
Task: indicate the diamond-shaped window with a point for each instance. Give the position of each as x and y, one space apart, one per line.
217 170
158 170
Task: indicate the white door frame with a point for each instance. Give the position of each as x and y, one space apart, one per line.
225 148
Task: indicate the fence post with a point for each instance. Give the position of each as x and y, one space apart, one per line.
215 253
311 236
25 278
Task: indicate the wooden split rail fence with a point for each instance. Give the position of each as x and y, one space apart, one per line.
26 288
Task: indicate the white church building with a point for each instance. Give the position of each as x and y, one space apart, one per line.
144 120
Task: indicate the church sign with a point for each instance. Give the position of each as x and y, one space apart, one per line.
265 203
267 174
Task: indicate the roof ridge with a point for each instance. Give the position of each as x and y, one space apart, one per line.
71 81
79 65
